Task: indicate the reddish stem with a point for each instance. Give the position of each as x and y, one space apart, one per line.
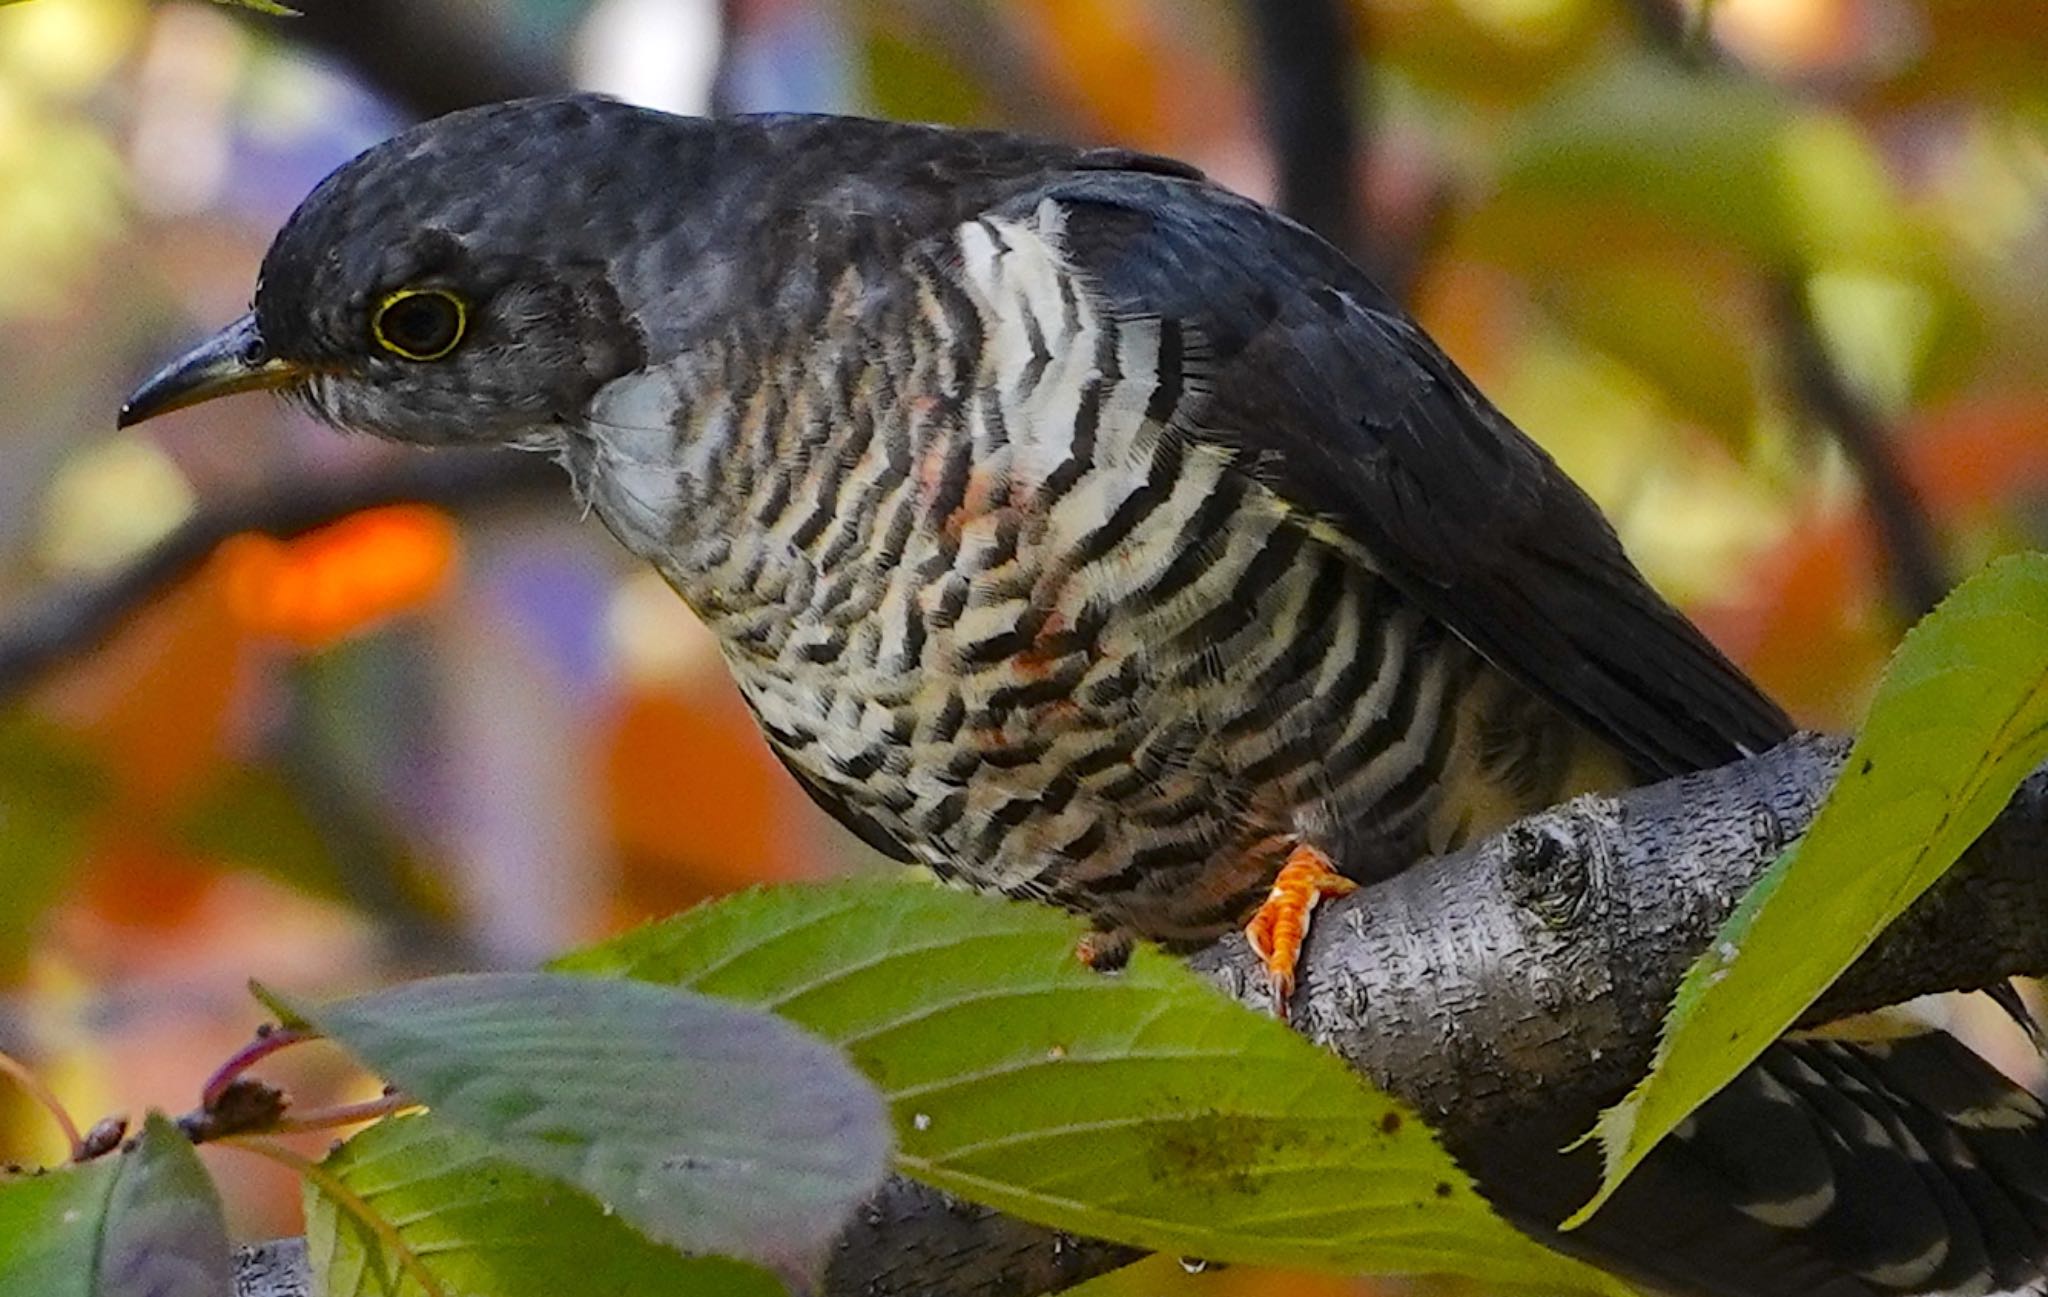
265 1044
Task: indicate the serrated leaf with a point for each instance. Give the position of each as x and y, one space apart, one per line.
50 1228
1144 1107
709 1127
165 1235
1959 720
482 1225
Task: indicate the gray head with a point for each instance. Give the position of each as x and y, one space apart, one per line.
460 282
479 277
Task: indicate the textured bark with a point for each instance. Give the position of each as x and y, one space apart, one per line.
1508 992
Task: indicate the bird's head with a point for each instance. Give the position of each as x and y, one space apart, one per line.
463 282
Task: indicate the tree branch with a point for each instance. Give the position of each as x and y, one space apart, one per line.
60 624
1321 133
1510 992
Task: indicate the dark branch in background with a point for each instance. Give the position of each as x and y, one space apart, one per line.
428 56
1667 25
1513 990
1321 135
1913 562
58 625
1911 549
1305 70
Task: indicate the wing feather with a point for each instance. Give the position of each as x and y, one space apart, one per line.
1324 389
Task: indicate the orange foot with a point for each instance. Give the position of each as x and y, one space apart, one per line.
1277 930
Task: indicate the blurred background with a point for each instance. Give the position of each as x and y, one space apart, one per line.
1768 279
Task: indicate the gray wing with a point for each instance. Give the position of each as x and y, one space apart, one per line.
1338 402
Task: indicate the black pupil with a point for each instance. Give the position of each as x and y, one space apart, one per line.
422 324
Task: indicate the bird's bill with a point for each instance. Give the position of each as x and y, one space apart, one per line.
233 360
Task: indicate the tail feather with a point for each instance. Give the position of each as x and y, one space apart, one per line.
1906 1167
1912 1164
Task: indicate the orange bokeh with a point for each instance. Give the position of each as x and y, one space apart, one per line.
315 589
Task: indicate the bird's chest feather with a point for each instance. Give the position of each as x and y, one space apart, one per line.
978 582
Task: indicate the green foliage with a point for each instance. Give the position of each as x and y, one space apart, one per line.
1144 1107
50 1229
1959 720
480 1224
1726 159
251 816
708 1127
143 1224
49 791
164 1234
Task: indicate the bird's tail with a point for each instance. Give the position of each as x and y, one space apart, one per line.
1831 1168
1908 1165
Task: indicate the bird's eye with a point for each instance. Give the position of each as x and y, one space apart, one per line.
419 323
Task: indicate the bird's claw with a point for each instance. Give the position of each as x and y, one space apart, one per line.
1276 932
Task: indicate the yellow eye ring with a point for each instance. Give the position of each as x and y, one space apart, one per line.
420 323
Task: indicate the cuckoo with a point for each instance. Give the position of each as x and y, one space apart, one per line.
1090 533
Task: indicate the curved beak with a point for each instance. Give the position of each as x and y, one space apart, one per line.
233 360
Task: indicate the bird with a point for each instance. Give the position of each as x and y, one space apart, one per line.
1090 533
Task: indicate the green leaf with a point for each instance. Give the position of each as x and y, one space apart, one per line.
1959 720
1671 324
144 1224
1142 1107
708 1127
482 1225
50 1228
270 7
252 817
49 791
165 1235
1719 156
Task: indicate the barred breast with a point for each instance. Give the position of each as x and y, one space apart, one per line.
993 607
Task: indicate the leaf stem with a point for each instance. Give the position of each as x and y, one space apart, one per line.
46 1098
350 1202
266 1043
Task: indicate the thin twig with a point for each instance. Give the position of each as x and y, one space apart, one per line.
1912 554
61 624
46 1098
1910 545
